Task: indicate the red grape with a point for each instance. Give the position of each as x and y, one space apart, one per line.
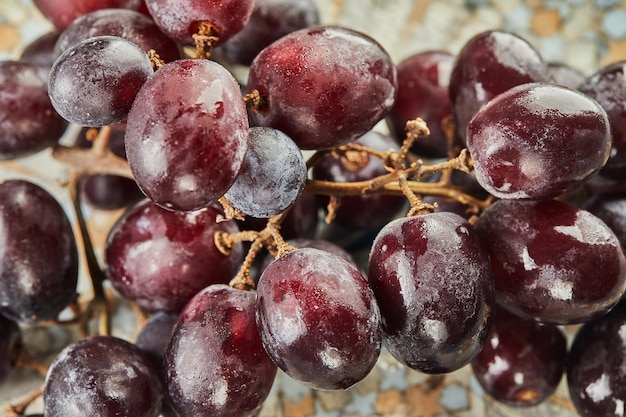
538 141
552 262
160 258
61 13
187 134
216 365
318 319
433 282
323 86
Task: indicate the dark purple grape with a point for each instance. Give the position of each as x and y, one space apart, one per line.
361 211
61 13
552 262
180 20
423 81
10 342
271 177
323 86
611 209
433 283
28 122
565 75
596 376
160 258
446 204
94 83
318 319
489 64
608 87
538 141
270 21
187 134
127 24
38 257
102 376
41 50
216 365
522 361
155 335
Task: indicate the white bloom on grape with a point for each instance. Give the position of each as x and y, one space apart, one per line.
220 393
599 389
561 290
619 407
331 357
518 377
436 330
529 262
585 230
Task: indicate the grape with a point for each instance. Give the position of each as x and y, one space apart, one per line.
538 141
489 64
564 75
28 122
160 258
127 24
187 134
611 209
41 50
552 262
271 177
361 211
323 86
102 376
38 255
180 20
434 285
10 342
94 82
423 80
596 376
522 361
270 20
61 13
608 87
156 334
318 319
216 365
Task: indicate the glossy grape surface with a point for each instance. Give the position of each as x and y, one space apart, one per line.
423 81
41 50
318 319
102 376
10 341
272 175
187 134
552 262
216 365
270 20
61 13
94 83
538 141
28 122
323 86
565 75
128 24
155 335
160 258
361 211
611 209
608 87
489 64
596 375
180 20
522 361
38 258
433 283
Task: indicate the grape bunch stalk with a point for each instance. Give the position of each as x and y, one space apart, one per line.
493 211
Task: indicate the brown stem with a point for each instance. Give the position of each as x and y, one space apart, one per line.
18 410
23 358
206 38
255 101
242 280
155 60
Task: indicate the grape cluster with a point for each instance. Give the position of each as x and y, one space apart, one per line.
493 211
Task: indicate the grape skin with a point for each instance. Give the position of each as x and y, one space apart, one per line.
102 376
271 177
94 82
61 13
318 319
215 363
324 86
538 141
434 285
552 262
39 258
187 134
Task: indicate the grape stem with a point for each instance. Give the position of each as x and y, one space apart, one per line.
206 38
19 409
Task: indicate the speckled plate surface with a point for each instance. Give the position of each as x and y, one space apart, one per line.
585 34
